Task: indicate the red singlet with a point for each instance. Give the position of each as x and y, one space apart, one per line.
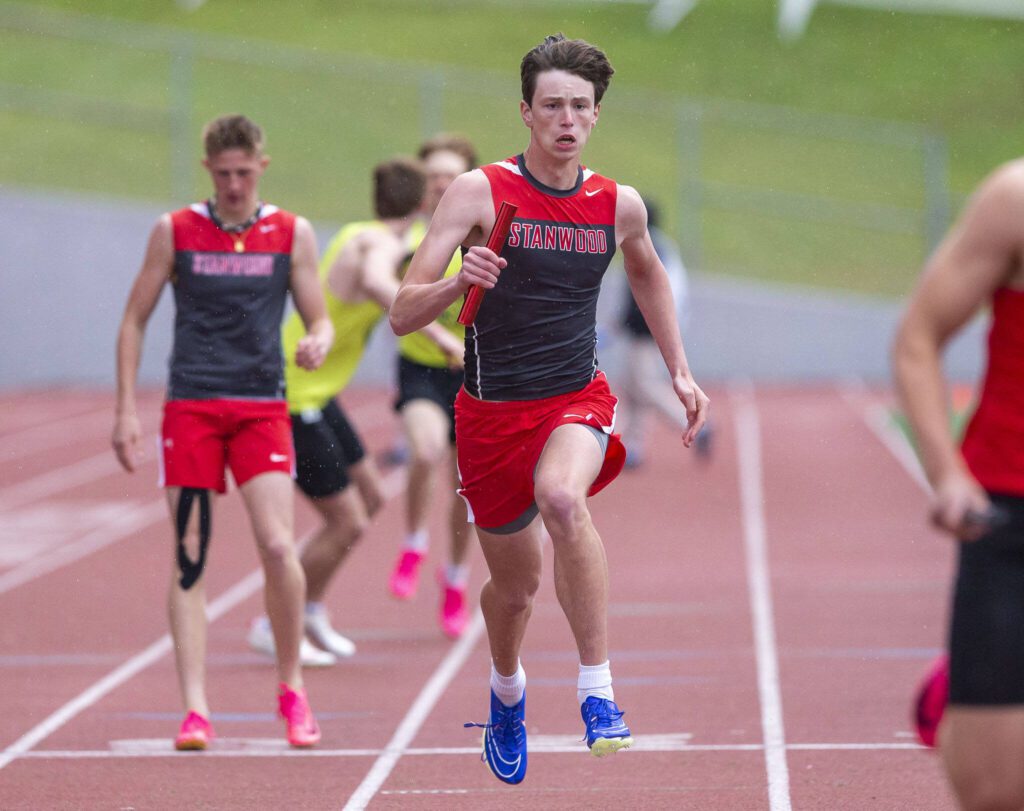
993 445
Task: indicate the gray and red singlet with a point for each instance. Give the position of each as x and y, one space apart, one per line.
535 334
229 294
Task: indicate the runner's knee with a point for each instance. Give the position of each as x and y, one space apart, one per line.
345 521
429 454
276 551
559 504
192 532
518 597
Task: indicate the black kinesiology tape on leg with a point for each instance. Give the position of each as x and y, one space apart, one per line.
192 569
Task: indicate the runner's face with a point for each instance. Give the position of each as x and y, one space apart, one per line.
562 113
236 176
442 167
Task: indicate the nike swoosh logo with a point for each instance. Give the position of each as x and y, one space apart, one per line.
592 193
496 754
278 457
266 229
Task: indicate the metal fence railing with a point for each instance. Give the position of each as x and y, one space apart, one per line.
115 107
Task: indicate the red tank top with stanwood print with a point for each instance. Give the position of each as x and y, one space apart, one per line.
993 444
535 335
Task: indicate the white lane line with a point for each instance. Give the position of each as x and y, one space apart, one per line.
417 715
670 742
131 521
85 700
105 464
39 438
232 597
879 419
58 480
268 747
228 600
748 450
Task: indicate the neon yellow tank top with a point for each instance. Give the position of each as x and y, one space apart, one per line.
353 324
416 346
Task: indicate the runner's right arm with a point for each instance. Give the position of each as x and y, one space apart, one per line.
979 255
464 214
145 293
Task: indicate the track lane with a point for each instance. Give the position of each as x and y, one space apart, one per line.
852 626
859 589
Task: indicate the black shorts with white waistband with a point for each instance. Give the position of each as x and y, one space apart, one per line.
986 640
326 444
419 382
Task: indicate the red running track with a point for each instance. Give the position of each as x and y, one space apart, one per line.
770 612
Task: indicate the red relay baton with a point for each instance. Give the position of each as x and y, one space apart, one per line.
495 242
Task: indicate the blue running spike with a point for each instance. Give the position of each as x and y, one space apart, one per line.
606 734
505 740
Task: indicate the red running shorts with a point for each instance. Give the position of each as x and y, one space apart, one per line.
200 438
499 444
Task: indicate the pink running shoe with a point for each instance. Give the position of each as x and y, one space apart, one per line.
930 702
454 612
406 575
195 733
303 729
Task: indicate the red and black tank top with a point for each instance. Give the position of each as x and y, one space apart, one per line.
993 445
535 334
229 293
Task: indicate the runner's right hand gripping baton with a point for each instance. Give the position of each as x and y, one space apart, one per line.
495 242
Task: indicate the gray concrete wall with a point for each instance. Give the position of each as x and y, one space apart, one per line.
67 263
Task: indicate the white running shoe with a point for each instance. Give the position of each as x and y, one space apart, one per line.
318 626
261 638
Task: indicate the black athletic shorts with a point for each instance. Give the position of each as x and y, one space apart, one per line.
325 445
419 382
987 629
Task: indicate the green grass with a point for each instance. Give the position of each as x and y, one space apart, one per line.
361 96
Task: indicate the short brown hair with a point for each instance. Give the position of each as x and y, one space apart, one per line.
571 55
398 186
232 132
450 142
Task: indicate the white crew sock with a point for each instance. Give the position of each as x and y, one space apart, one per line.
417 541
594 680
456 575
314 608
509 689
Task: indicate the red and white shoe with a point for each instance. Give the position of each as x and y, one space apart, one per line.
195 734
405 578
302 727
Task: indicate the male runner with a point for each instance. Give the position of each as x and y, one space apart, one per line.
231 261
360 274
428 380
534 419
978 488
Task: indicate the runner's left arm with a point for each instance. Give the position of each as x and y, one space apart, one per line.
308 295
650 285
